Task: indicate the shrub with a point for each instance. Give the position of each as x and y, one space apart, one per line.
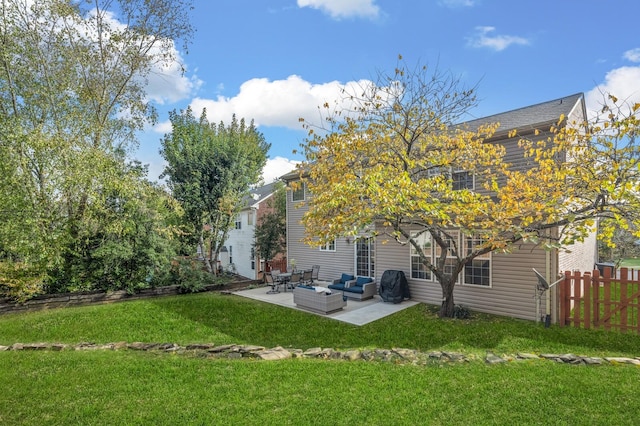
188 275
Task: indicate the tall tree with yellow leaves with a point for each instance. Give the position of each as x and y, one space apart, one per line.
398 164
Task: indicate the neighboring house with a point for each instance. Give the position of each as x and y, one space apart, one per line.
498 283
238 252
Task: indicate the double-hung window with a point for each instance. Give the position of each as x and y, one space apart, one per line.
418 269
451 242
298 193
330 246
477 271
462 180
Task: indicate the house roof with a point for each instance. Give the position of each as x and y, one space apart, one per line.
257 195
525 118
530 116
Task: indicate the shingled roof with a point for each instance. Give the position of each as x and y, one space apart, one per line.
257 195
529 116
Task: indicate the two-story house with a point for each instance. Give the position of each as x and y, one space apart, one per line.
498 283
238 252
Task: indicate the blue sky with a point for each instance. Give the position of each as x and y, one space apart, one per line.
274 61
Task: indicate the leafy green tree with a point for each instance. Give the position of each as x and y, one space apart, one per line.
395 153
72 97
271 229
209 169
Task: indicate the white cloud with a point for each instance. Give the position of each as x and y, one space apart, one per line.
458 3
277 167
484 38
278 103
168 82
633 55
339 9
623 83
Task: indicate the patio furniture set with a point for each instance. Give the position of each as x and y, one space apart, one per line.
317 298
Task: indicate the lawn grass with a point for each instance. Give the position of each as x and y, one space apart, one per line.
127 387
630 263
225 319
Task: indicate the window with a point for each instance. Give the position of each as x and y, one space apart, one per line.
451 242
462 180
298 193
230 254
477 271
418 270
365 257
250 215
330 246
239 222
253 259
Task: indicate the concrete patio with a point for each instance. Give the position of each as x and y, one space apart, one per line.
356 312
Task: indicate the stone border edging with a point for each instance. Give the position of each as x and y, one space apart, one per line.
61 300
396 355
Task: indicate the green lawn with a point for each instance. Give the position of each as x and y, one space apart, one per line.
127 387
630 263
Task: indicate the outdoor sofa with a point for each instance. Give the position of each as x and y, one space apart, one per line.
357 288
322 302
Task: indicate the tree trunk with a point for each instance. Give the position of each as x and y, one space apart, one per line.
204 254
447 308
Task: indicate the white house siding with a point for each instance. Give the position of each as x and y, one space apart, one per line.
241 241
332 264
581 256
513 281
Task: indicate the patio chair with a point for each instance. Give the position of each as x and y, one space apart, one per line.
275 273
295 280
268 279
306 276
315 269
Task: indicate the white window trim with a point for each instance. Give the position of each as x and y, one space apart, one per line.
487 256
473 178
431 276
327 247
304 193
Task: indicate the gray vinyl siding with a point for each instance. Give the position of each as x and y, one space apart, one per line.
332 264
512 288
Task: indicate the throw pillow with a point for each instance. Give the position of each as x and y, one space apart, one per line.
362 280
346 277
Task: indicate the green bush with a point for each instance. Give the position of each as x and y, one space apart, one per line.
19 281
188 275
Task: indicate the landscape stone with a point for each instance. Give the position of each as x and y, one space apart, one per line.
211 348
352 355
524 355
396 355
492 358
623 360
274 354
203 346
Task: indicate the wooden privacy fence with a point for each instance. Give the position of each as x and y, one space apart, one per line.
601 301
277 264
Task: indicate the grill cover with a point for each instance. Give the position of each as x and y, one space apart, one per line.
394 287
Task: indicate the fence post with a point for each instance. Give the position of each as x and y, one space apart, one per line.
624 278
595 281
606 282
565 301
577 295
587 282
